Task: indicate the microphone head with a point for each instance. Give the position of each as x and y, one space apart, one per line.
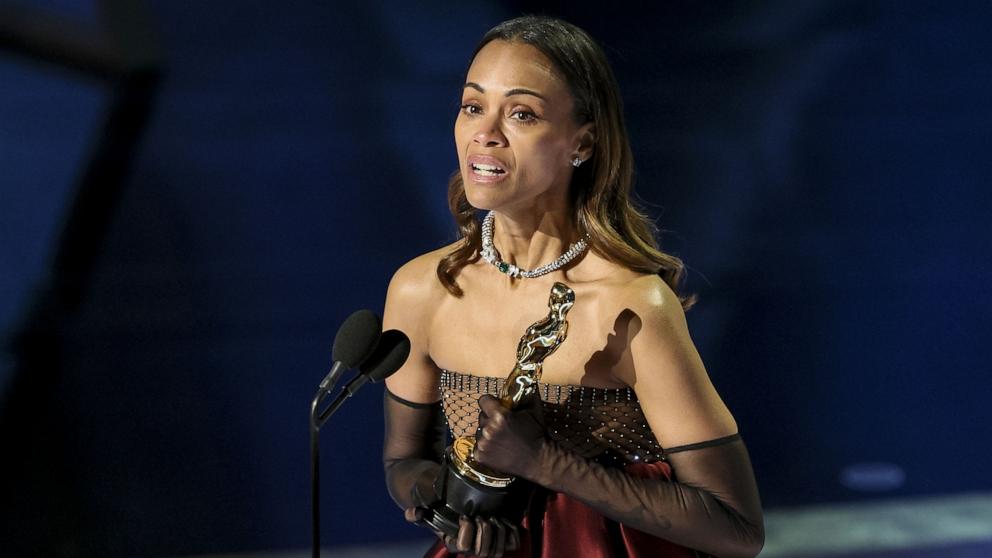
356 338
389 355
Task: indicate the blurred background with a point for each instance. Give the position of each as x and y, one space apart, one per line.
194 195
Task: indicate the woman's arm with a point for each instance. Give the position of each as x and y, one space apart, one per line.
415 428
713 506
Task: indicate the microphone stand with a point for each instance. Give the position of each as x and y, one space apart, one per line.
315 470
317 420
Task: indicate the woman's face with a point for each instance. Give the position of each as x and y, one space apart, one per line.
515 133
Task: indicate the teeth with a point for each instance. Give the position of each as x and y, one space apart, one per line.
487 170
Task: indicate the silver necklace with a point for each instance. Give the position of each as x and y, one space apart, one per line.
491 255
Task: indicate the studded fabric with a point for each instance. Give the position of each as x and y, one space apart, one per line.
606 425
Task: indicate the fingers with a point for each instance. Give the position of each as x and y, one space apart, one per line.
484 417
511 535
534 404
490 405
483 421
422 493
413 515
499 538
466 534
416 516
485 538
491 413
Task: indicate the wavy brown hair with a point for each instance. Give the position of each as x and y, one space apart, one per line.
601 187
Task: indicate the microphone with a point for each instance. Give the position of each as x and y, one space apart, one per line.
359 340
388 356
353 343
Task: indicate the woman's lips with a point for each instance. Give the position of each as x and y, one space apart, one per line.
486 169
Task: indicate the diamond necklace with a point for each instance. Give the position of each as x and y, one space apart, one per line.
491 255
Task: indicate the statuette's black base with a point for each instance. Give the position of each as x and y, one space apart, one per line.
463 496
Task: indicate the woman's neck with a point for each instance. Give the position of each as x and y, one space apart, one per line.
533 239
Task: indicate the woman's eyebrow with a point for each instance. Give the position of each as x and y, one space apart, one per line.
510 93
522 91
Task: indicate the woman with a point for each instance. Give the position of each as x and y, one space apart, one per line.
632 449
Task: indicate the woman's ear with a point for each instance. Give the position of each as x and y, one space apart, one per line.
585 141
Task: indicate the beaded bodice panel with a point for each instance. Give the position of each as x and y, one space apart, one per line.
596 423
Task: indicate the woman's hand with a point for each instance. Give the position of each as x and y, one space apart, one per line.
484 538
510 441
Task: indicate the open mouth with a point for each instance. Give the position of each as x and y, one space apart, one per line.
487 170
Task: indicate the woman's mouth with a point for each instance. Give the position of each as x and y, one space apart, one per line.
487 170
483 168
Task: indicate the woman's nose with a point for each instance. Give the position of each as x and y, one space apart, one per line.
489 133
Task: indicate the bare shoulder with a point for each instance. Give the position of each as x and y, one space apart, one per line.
623 289
416 281
660 328
653 300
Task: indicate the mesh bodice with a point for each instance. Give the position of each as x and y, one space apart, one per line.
602 424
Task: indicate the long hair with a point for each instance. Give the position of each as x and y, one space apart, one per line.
601 188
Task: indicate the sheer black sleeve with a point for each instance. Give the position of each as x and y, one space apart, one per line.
411 456
712 505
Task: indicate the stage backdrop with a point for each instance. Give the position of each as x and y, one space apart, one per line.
822 168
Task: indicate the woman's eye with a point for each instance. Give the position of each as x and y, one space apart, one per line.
471 109
523 115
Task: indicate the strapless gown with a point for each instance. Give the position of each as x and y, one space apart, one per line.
606 425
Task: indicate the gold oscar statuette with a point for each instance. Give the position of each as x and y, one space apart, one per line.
465 486
540 340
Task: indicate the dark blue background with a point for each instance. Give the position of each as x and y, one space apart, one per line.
822 167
